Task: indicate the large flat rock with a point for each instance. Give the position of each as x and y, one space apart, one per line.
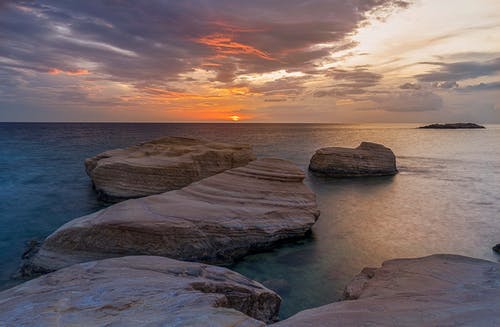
439 290
139 291
161 165
216 220
368 159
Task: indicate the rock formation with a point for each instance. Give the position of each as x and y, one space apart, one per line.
453 126
368 159
439 290
161 165
215 220
139 291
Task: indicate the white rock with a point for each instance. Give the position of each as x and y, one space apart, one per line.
216 220
139 291
162 165
368 159
439 290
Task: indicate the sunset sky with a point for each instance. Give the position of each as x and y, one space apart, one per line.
254 61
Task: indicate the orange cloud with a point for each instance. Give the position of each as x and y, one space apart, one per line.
224 45
55 71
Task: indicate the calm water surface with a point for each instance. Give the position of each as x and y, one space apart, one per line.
446 198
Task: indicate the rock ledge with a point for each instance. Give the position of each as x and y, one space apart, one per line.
161 165
139 291
215 220
439 290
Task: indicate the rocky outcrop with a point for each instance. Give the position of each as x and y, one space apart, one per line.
139 291
453 126
368 159
439 290
216 220
162 165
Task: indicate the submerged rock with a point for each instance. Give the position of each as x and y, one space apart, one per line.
216 220
161 165
453 126
439 290
139 291
368 159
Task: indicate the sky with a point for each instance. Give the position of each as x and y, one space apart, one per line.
328 61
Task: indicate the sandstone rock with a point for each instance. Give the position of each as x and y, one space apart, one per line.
368 159
161 165
216 220
139 291
453 126
439 290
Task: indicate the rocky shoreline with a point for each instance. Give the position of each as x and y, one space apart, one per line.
146 261
438 290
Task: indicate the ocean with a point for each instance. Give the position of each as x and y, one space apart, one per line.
446 198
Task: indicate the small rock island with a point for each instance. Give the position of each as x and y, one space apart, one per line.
368 159
453 126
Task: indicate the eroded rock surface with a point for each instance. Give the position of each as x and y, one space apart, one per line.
368 159
139 291
161 165
215 220
439 290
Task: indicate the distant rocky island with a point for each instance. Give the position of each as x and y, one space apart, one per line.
453 126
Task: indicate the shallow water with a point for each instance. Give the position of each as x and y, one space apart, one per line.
445 199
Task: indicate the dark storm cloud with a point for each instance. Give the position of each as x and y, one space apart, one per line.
457 71
155 41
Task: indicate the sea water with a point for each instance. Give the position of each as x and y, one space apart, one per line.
446 198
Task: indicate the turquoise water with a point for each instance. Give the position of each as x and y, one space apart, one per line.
446 198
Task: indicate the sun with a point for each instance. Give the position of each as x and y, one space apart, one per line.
234 118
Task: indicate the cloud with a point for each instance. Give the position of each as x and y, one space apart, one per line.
55 71
408 101
349 82
410 86
445 85
457 71
157 42
481 87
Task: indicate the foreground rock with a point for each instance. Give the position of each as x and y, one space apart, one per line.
216 220
453 126
139 291
439 290
161 165
368 159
